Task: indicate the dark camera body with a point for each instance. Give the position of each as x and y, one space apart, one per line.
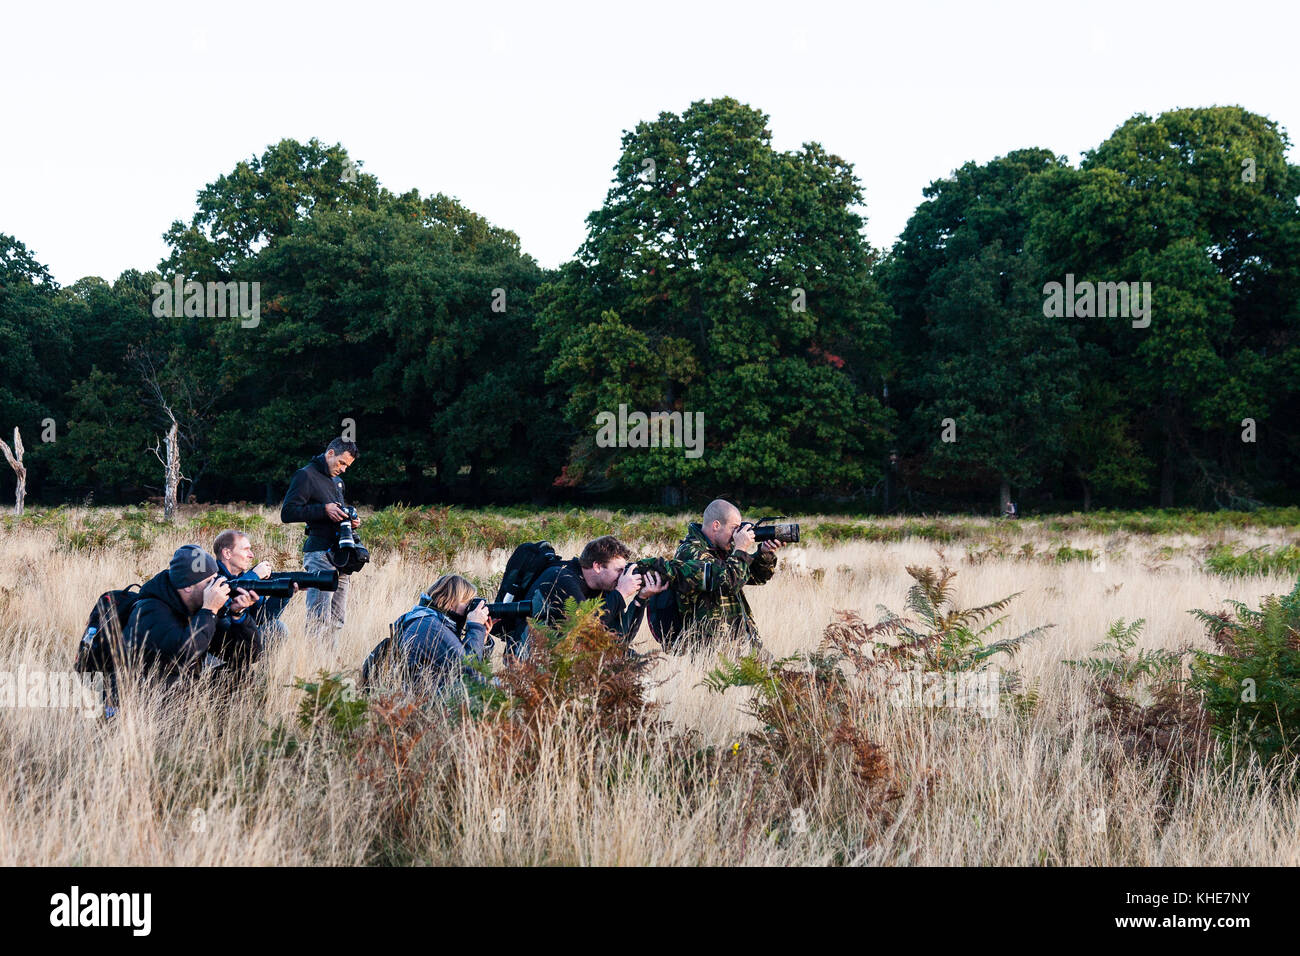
348 555
673 571
533 607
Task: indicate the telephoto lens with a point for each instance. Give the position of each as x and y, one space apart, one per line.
347 539
532 607
348 555
280 584
777 532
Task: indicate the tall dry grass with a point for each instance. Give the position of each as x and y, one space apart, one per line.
191 782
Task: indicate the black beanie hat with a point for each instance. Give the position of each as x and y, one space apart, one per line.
190 565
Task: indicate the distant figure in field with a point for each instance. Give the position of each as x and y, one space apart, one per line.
315 496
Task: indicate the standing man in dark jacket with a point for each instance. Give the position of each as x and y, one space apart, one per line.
600 571
173 627
315 496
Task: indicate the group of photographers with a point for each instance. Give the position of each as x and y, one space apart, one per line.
204 611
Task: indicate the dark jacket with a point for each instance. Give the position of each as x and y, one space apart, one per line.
310 490
430 647
565 581
161 634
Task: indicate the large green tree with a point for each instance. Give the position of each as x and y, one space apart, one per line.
724 277
414 322
1201 204
403 319
991 383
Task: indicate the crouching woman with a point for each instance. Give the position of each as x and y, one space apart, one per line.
433 644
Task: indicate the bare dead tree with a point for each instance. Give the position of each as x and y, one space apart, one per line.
15 458
171 466
185 402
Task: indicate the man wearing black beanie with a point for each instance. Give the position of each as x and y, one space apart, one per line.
173 626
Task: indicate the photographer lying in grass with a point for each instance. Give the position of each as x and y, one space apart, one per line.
602 570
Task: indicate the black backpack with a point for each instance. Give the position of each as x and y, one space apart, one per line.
665 618
104 627
525 566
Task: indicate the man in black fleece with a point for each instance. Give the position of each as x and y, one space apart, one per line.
315 496
600 571
172 629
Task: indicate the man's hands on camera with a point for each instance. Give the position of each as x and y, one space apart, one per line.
216 594
629 583
262 570
771 545
743 538
652 584
243 600
334 511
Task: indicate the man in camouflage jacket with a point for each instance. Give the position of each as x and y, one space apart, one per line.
718 563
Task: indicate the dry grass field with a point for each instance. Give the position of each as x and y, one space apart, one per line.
193 783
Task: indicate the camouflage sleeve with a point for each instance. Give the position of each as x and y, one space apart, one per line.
680 575
694 571
762 567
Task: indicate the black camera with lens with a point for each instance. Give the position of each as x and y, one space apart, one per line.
348 554
280 585
787 533
503 614
533 607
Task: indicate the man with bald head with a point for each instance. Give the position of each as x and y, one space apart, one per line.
712 604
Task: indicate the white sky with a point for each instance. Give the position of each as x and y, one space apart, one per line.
117 113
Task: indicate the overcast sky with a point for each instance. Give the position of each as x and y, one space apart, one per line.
117 113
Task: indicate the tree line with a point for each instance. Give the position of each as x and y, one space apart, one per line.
720 276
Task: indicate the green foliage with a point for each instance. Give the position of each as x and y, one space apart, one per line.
1252 685
937 637
577 674
1224 560
1147 708
35 340
1065 554
812 721
686 296
132 530
330 702
977 347
438 534
749 670
1164 200
942 636
1119 663
732 281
